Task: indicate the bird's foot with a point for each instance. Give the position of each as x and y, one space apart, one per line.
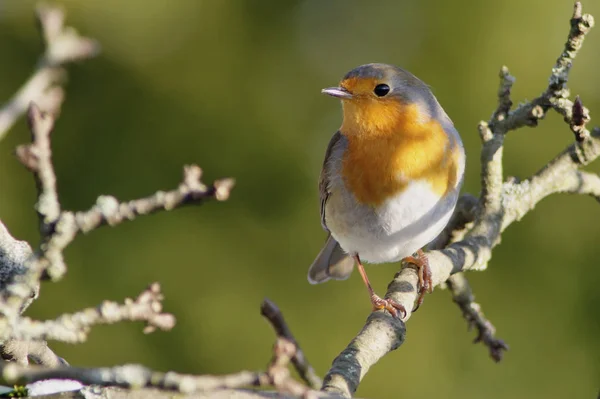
425 285
387 304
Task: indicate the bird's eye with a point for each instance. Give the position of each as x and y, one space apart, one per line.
381 90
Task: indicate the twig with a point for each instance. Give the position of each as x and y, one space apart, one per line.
463 297
59 228
137 376
74 328
501 203
458 284
37 157
109 211
504 100
556 94
63 45
272 313
279 375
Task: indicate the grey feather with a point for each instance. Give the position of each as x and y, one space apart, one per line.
331 263
324 177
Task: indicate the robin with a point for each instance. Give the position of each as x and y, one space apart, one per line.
390 179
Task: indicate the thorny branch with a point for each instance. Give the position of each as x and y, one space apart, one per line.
500 204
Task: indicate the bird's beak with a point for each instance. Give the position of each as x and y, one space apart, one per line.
338 92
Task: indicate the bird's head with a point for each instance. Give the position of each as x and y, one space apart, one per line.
378 98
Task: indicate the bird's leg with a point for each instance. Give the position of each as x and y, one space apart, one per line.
377 301
421 263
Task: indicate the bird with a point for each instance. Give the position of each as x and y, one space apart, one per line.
390 179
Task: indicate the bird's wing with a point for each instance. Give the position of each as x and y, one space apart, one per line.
324 177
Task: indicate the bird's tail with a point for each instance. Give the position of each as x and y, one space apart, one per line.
331 263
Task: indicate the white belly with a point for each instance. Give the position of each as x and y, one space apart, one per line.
394 230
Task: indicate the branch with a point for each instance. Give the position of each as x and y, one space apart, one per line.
74 328
136 376
21 270
458 285
62 45
37 157
108 210
59 227
22 352
272 313
500 204
464 298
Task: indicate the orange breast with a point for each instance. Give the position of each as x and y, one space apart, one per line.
389 145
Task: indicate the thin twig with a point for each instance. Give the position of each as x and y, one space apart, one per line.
504 91
464 298
37 157
458 284
109 211
59 228
62 45
74 328
137 376
272 313
556 93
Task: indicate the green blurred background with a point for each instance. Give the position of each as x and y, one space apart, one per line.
234 86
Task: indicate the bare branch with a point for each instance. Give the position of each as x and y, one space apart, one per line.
59 228
272 313
74 328
37 157
580 26
504 100
556 94
501 203
463 296
63 45
136 376
458 284
108 210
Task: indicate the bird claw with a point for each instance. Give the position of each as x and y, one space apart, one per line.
389 305
425 284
